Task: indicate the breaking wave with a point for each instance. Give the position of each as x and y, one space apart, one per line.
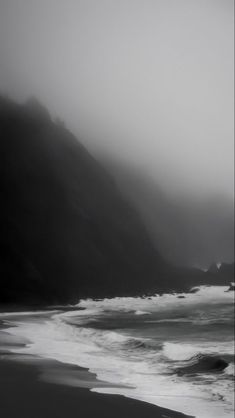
152 349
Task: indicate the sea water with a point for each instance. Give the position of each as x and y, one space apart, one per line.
143 348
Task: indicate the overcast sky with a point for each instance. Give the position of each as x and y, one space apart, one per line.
148 80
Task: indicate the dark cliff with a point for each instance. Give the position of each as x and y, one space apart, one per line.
66 231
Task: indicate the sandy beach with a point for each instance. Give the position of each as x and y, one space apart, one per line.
32 387
24 395
84 362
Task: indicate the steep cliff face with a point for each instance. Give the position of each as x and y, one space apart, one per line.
66 231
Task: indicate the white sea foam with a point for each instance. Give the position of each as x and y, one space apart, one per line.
98 351
4 315
230 370
182 351
144 371
142 313
204 295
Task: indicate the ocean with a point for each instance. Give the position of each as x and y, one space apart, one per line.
174 350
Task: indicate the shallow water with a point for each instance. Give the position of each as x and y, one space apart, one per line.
145 346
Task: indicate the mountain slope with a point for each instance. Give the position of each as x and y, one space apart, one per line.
189 233
67 232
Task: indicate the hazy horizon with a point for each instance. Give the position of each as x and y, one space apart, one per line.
147 82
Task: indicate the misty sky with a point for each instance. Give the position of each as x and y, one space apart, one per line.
148 80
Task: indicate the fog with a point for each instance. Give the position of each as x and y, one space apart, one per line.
146 81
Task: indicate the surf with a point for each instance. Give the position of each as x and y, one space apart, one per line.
152 355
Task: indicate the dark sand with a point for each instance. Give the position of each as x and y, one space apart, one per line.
32 387
24 395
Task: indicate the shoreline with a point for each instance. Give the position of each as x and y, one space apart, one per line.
24 394
58 361
60 353
33 387
54 361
